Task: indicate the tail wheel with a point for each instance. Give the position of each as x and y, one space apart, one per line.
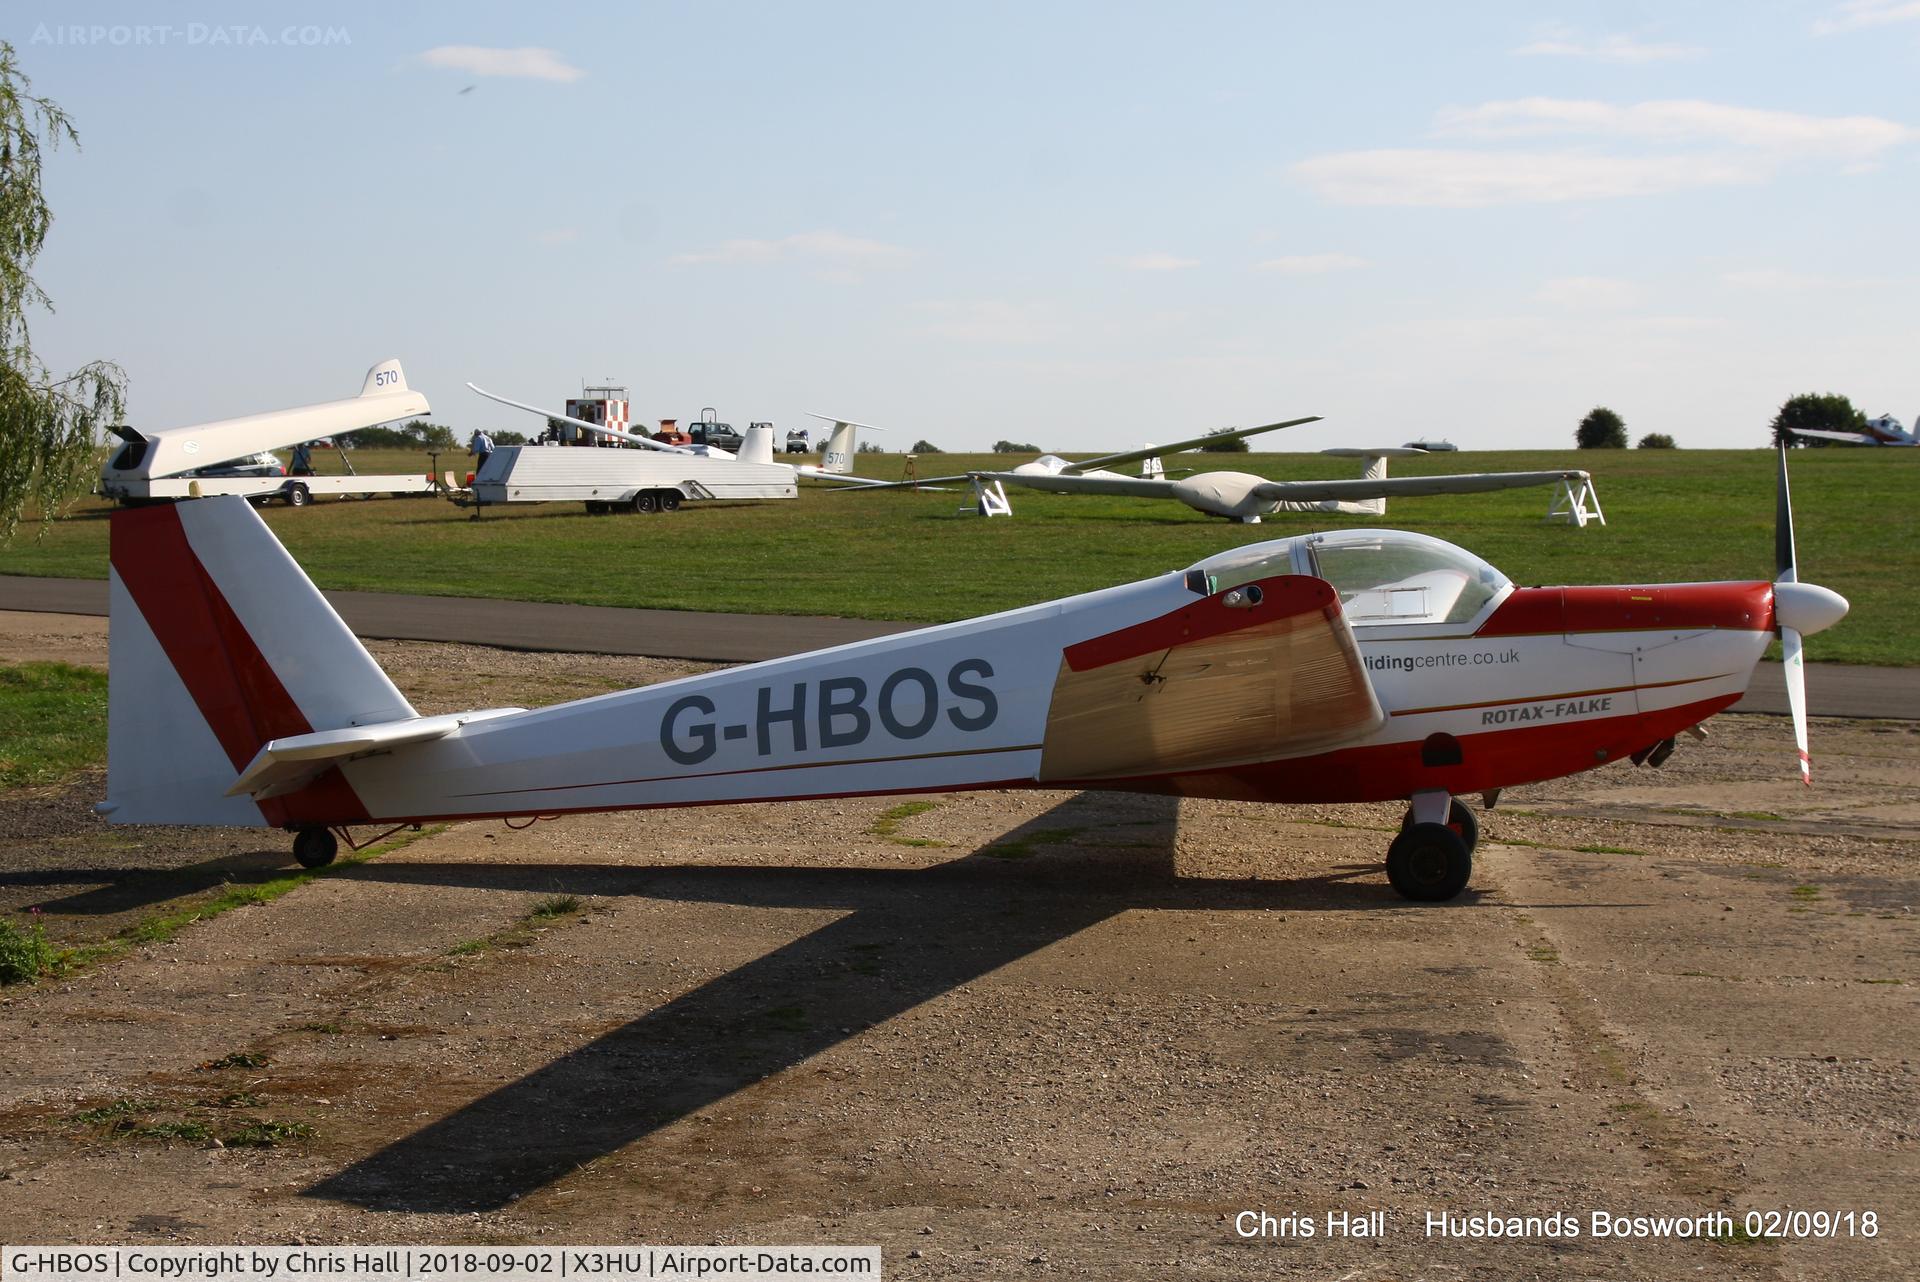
669 500
1429 863
645 501
315 847
297 496
1460 819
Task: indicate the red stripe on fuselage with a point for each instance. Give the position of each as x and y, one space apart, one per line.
236 690
1738 606
1282 597
1394 771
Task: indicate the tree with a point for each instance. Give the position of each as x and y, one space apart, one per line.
1238 445
927 447
432 435
868 447
1657 441
48 424
504 437
1809 412
1014 447
1601 429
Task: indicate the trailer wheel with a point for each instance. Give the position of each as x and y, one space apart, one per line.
595 507
296 495
645 501
669 500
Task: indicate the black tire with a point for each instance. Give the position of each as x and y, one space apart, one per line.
669 500
296 496
315 847
645 502
1429 863
595 507
1460 818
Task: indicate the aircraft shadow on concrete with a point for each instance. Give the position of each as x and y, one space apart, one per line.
119 890
907 937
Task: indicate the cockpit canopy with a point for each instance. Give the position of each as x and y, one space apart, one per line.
1384 577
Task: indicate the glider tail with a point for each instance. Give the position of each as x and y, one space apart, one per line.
218 645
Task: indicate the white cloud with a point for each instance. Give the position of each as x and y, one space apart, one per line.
1606 49
1856 14
1589 292
1780 280
992 321
1651 147
1158 263
1467 179
1311 264
526 63
1676 121
843 251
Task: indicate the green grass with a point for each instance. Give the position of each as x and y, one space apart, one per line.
1675 516
267 1134
887 826
53 721
545 912
1027 845
25 954
1609 850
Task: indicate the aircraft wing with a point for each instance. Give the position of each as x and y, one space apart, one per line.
847 481
1201 691
1388 487
1849 438
646 441
1156 451
1145 487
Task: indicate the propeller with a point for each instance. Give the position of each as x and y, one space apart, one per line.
1799 609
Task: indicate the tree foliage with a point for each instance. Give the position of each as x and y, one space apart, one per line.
1601 429
927 447
49 424
1810 412
1014 447
1238 445
1657 441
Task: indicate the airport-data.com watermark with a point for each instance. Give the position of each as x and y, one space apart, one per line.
231 35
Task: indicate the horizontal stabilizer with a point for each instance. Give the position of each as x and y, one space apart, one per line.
289 764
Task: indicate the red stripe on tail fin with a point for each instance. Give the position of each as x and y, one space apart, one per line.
236 690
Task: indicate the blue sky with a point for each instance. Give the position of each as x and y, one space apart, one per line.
1082 225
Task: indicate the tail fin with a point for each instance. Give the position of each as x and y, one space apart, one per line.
1151 468
1374 469
218 644
384 378
757 445
841 446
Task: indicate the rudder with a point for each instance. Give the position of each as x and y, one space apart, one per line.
218 644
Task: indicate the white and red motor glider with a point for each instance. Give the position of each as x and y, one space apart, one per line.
1362 665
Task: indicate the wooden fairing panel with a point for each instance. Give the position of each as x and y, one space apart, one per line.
1210 686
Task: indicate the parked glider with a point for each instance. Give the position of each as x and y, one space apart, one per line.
757 447
1885 430
1241 496
1361 665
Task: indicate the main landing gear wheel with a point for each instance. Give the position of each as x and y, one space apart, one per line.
1429 863
1460 818
315 847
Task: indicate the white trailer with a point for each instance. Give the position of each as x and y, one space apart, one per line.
636 480
209 458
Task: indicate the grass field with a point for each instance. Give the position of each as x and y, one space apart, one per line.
1673 516
53 721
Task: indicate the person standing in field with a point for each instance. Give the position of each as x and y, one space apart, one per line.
480 446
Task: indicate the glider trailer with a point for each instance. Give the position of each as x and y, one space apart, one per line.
1359 665
206 459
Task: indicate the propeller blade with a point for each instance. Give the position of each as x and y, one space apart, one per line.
1785 571
1795 673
